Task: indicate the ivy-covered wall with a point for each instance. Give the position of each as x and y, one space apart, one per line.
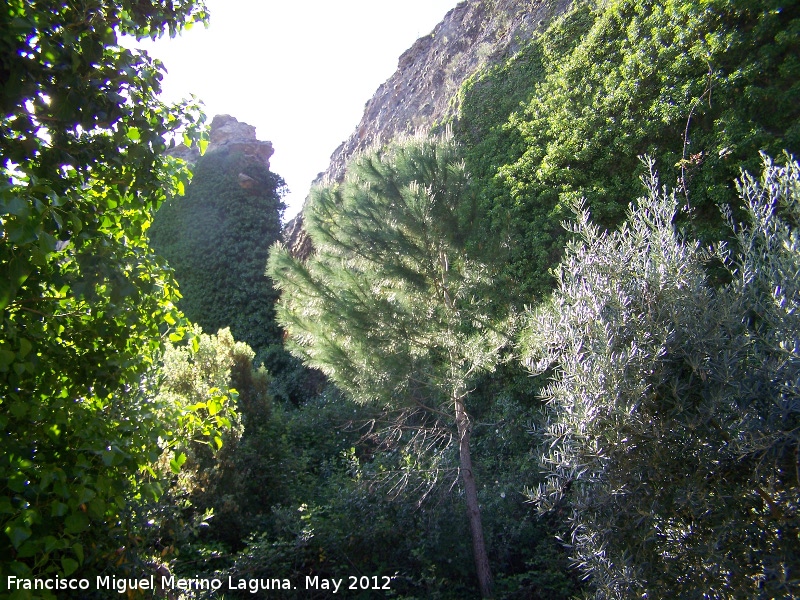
217 239
700 86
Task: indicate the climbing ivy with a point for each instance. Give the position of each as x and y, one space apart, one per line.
684 82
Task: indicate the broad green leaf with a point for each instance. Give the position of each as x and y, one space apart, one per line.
76 522
152 490
177 462
6 358
18 533
108 457
69 565
24 347
52 543
47 243
17 482
17 206
78 550
17 272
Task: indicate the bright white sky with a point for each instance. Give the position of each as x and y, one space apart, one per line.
300 71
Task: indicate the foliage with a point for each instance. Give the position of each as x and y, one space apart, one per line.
390 291
528 560
488 98
683 81
253 470
673 418
287 458
312 490
676 465
198 380
392 307
197 406
197 377
271 457
339 516
217 238
84 301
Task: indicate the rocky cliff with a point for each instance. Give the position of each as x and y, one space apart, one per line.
423 90
227 134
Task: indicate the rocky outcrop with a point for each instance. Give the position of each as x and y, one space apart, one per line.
423 90
296 239
227 134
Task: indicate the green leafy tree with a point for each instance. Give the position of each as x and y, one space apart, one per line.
85 304
672 428
194 399
392 306
210 380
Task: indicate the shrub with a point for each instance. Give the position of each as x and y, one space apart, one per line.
672 432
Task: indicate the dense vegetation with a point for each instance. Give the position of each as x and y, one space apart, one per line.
391 306
673 420
216 238
686 83
658 438
86 304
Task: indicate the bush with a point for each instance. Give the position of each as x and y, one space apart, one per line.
673 420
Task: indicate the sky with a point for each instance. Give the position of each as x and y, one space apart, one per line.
300 71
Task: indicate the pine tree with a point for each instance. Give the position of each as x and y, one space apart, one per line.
392 304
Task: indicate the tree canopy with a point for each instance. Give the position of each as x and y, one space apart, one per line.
566 118
85 304
672 427
667 437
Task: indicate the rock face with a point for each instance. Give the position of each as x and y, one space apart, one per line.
229 135
423 91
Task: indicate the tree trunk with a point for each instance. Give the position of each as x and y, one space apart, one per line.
473 509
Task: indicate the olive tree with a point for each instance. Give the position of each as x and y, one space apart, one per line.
672 431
